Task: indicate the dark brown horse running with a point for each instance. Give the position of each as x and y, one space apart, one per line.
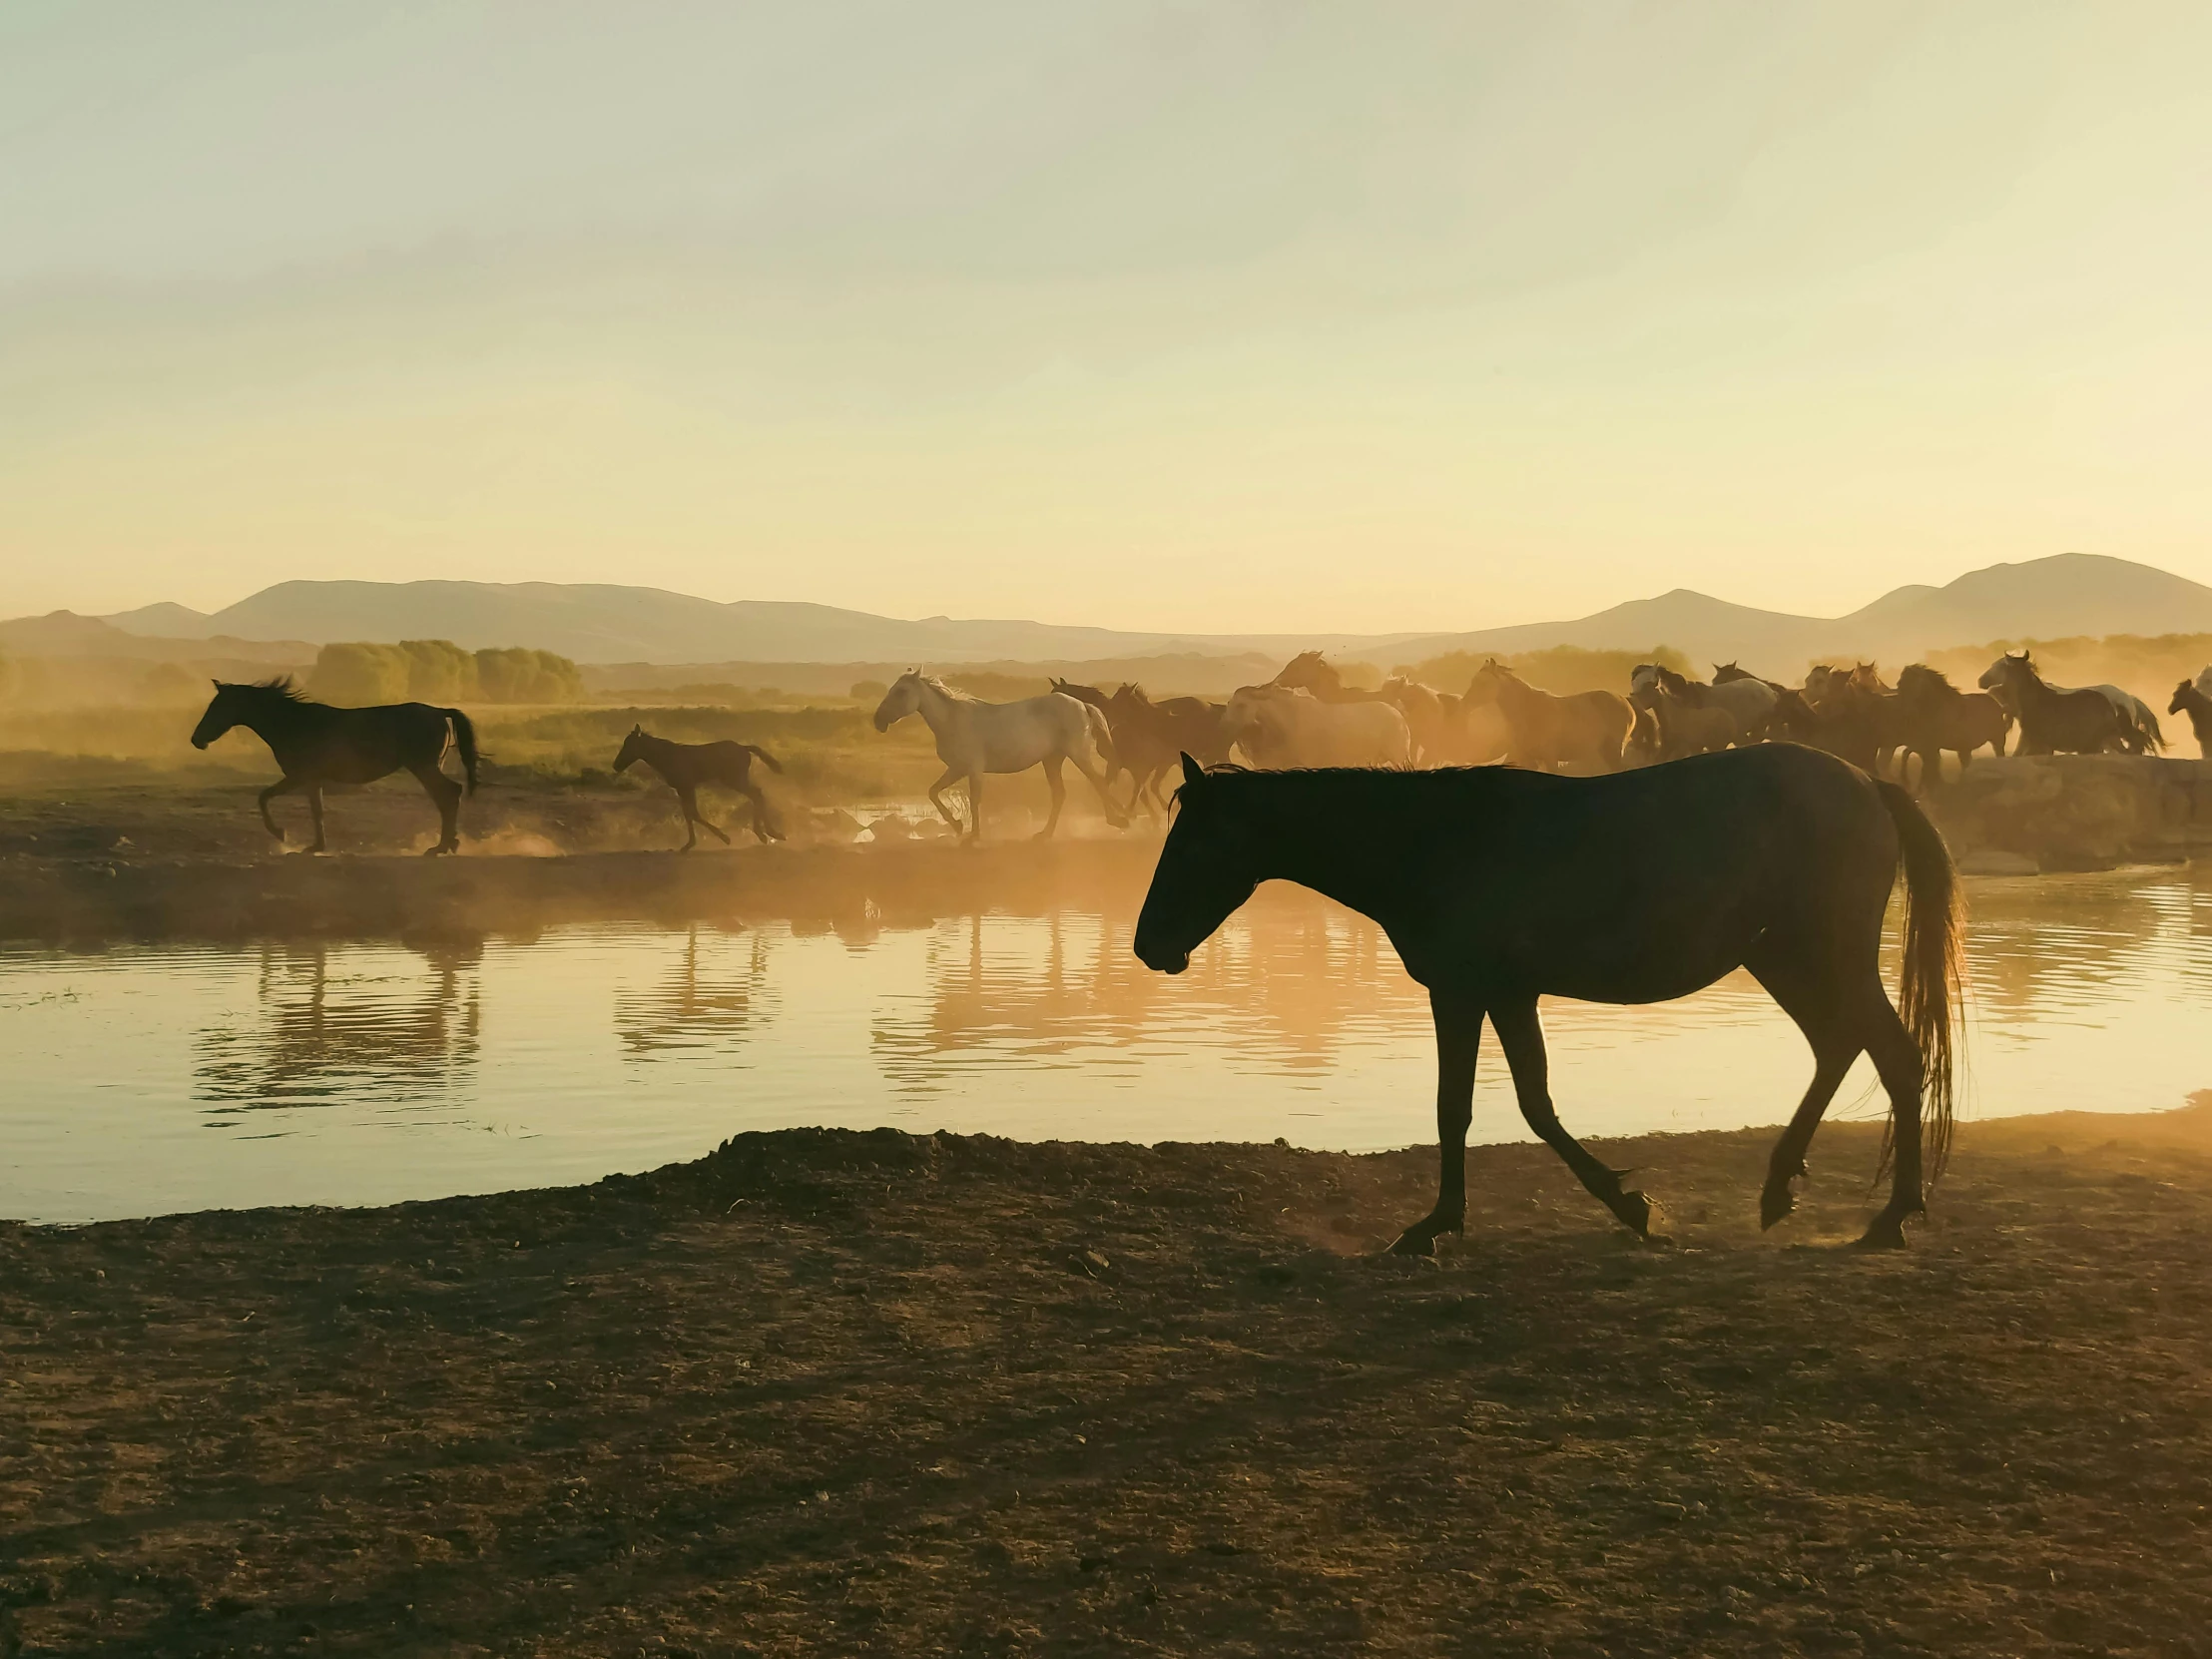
686 766
1147 736
1499 886
1939 716
316 745
2187 700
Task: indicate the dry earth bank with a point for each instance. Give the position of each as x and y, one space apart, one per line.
828 1393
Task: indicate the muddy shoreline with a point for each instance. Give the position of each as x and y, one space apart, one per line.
832 1393
69 900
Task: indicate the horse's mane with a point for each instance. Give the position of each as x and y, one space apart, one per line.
939 685
1922 670
278 685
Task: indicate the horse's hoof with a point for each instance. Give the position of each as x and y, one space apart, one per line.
1413 1241
1634 1209
1775 1205
1884 1233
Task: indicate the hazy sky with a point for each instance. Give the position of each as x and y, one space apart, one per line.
1224 315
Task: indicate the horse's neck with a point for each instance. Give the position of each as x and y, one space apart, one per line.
1327 854
279 723
940 709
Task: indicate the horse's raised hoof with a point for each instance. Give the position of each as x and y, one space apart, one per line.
1413 1241
1775 1205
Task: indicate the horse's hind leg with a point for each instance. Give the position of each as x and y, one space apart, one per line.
1810 999
1898 1062
315 812
1522 1034
1459 1037
447 795
763 826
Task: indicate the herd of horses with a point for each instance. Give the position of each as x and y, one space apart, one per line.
1306 717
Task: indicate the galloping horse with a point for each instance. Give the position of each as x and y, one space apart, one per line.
1499 886
2056 720
686 766
316 745
1588 729
1147 736
975 738
1939 716
1278 726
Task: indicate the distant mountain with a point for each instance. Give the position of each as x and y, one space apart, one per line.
603 622
2070 594
65 633
2066 595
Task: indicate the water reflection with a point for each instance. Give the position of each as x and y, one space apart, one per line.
715 995
1283 988
328 1024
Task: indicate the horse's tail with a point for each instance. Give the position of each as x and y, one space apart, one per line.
1934 975
464 739
773 765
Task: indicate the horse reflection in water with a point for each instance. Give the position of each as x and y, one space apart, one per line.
1499 886
1298 975
334 1021
708 999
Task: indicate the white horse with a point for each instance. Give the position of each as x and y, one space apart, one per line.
1750 701
974 736
1278 726
2204 682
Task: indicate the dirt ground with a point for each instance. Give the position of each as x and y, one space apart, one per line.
828 1392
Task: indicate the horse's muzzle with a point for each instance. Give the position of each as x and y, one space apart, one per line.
1165 961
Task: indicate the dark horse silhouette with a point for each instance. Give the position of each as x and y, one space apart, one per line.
1500 886
686 766
316 745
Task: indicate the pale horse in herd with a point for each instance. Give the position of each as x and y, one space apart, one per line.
974 738
1752 701
1279 728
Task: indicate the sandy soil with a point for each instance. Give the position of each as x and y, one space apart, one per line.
831 1393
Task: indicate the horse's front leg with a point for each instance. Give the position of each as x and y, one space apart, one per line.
282 786
953 774
1520 1034
1059 787
1459 1037
975 806
315 811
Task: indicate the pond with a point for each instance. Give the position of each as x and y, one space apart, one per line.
150 1079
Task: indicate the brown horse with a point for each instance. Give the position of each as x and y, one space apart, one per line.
1147 736
2188 700
1838 726
315 744
1939 716
1686 728
2055 719
1587 731
1306 672
1430 718
1498 888
686 766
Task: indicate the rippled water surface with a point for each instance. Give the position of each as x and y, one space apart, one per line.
150 1079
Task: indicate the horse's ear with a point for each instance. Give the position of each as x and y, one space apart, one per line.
1193 772
218 684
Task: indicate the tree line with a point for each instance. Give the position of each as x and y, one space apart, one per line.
441 673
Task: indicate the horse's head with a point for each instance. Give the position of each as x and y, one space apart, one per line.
2182 695
1306 669
1918 680
1205 870
2003 673
224 710
633 750
1482 688
901 700
1728 673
